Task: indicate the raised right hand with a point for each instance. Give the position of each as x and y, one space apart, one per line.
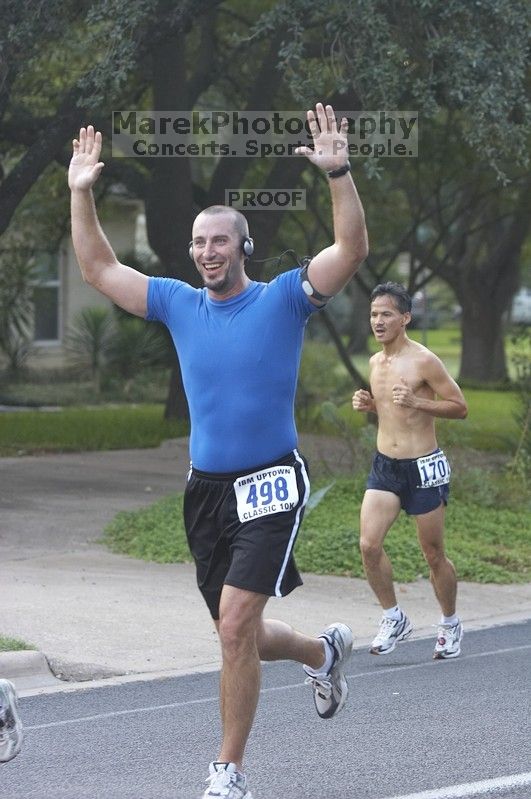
363 401
85 166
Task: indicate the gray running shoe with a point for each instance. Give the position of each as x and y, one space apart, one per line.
11 734
390 633
448 644
330 689
225 780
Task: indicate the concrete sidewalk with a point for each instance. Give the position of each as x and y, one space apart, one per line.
93 615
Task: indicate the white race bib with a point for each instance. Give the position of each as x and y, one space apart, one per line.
434 470
271 490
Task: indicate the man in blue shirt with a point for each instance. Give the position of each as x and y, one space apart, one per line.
239 344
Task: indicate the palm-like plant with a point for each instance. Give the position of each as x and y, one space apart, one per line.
99 341
136 345
17 277
88 341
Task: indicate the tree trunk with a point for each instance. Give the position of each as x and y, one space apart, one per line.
176 403
359 328
358 379
169 201
483 352
485 289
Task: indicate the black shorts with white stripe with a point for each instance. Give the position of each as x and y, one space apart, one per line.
242 527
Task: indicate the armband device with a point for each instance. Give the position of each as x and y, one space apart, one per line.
309 290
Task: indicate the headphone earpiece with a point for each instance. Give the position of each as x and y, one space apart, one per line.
247 247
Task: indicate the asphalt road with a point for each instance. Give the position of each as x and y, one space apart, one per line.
413 728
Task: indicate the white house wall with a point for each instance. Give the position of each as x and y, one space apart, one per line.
119 223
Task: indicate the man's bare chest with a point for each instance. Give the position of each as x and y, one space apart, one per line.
386 374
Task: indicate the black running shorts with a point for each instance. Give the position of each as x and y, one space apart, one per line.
422 484
242 528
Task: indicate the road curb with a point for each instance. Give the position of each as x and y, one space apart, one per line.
27 669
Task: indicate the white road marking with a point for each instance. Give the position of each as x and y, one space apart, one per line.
271 689
481 788
436 663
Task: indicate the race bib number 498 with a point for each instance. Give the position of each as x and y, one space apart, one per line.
434 470
272 490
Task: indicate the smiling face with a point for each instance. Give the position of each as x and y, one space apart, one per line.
387 322
218 256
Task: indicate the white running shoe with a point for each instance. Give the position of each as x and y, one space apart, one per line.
225 780
448 644
330 689
390 633
11 733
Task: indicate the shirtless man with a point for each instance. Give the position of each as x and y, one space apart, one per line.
410 387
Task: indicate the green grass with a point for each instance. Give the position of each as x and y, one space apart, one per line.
81 429
49 387
444 342
487 543
8 644
490 426
153 533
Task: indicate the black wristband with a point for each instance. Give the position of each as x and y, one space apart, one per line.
337 173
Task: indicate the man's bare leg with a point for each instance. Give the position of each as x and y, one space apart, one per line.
279 641
238 625
246 639
324 659
430 529
379 510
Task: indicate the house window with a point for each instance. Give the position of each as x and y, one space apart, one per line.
46 298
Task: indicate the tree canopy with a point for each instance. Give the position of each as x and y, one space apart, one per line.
458 210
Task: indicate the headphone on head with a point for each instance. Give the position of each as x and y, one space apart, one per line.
247 247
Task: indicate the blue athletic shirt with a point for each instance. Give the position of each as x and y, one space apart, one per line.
239 360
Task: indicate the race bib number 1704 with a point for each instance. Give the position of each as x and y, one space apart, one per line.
272 490
434 470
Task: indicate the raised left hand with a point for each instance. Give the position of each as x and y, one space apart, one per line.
330 145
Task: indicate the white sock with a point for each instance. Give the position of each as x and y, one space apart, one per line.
452 620
327 665
393 613
330 654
